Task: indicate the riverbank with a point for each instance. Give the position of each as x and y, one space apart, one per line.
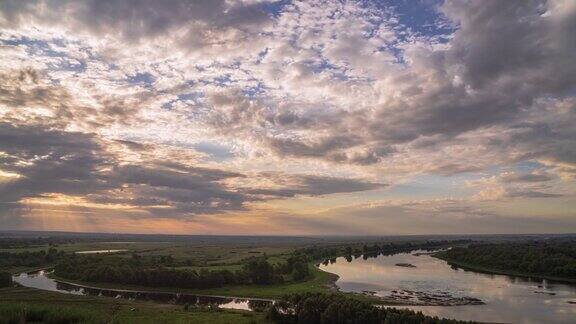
475 268
91 309
319 282
147 290
405 297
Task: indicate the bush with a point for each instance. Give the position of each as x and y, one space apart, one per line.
316 308
14 314
5 279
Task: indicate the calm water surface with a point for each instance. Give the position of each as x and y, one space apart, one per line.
40 280
99 251
508 299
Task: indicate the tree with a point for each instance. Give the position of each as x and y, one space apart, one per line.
300 270
315 308
259 271
5 279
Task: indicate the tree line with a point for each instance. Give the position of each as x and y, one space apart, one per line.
30 259
555 258
327 254
256 270
154 272
5 279
318 308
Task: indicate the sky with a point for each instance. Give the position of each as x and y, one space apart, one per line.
288 117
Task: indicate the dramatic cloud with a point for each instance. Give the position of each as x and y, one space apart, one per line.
205 112
43 163
311 185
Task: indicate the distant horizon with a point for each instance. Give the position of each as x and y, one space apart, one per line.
293 235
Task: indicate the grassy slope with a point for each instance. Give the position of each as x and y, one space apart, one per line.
106 310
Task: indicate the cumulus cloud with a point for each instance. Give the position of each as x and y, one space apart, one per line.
526 177
47 163
282 185
136 21
112 101
50 161
485 90
445 216
507 185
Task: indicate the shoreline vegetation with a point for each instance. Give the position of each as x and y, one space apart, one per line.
286 266
539 260
321 282
337 308
258 278
476 268
319 279
22 305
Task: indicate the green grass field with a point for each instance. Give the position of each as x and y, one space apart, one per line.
210 257
16 302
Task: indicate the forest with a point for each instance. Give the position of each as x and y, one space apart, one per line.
137 271
5 279
553 258
328 254
30 259
161 271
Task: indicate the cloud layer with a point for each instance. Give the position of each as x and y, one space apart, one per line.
202 111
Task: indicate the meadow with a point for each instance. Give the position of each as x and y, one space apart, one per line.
21 305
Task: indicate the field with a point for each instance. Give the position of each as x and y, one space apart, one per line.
109 310
195 253
200 256
195 256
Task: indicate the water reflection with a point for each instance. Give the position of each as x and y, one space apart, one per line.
100 251
40 280
507 299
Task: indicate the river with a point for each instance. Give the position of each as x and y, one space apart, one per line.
414 278
507 299
41 280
